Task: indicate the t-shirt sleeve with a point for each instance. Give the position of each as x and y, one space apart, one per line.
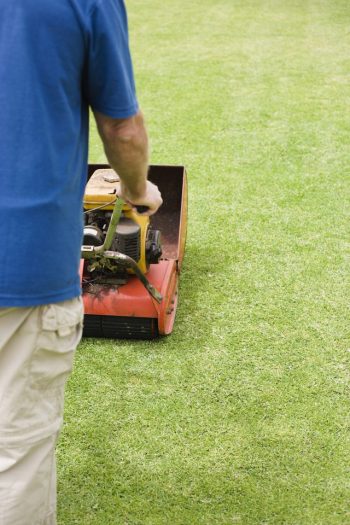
110 81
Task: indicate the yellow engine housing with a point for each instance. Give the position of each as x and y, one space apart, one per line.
101 190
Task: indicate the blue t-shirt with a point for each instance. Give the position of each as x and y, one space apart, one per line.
57 58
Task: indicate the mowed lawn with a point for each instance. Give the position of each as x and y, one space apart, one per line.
241 416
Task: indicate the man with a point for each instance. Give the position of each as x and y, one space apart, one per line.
57 58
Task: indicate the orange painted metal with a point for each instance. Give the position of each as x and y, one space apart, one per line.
183 223
167 310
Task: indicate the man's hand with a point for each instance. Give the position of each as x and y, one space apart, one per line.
150 197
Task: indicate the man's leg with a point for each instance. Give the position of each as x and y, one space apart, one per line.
36 354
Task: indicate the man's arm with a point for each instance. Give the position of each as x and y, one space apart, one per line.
126 146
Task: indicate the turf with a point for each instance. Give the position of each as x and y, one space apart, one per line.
241 416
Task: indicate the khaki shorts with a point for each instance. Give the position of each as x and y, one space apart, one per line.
36 355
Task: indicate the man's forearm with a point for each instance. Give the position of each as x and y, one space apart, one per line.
126 148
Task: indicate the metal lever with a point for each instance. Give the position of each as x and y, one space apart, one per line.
117 211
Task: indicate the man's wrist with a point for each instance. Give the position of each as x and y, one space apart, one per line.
136 190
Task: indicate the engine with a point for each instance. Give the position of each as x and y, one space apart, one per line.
134 236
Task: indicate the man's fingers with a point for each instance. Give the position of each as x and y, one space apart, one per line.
148 203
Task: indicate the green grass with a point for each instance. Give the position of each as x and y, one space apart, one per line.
241 416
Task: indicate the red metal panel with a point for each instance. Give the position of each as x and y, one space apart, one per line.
130 299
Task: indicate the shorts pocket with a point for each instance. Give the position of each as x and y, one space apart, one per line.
59 334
